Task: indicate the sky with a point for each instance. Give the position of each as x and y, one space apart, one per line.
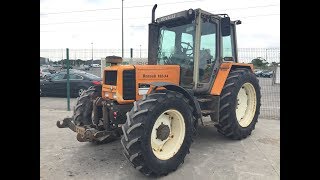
76 24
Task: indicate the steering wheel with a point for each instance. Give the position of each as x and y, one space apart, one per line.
185 50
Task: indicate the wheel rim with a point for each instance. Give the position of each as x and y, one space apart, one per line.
246 104
167 134
40 92
80 91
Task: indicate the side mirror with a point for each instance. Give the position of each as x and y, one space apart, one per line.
225 26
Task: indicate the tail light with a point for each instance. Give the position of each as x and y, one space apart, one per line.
96 82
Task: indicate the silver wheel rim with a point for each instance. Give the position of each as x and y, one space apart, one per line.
166 146
246 104
80 91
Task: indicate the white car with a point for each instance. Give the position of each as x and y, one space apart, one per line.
96 65
84 67
44 72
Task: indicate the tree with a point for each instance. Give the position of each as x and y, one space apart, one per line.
259 62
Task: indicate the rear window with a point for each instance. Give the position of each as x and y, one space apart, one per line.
92 76
75 77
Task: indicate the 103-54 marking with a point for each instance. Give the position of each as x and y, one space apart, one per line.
155 76
163 75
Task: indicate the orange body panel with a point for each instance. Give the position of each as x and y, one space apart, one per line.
144 74
117 90
223 74
156 73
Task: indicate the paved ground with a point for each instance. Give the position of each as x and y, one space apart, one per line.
211 155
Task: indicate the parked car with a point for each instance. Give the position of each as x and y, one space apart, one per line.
96 65
45 66
44 72
84 67
52 71
267 74
56 84
258 73
73 70
57 65
65 66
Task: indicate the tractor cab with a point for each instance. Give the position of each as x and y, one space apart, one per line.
195 40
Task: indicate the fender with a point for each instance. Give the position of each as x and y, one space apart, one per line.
172 87
223 73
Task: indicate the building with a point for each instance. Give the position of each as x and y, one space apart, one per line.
44 61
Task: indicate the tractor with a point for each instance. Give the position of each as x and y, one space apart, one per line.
155 109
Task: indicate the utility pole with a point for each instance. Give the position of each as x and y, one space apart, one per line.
140 52
267 54
68 79
91 54
75 59
122 26
62 57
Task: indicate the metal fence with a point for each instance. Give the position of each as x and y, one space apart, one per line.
244 54
270 86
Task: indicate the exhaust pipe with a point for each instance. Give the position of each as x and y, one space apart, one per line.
153 12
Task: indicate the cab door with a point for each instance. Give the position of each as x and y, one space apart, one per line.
207 55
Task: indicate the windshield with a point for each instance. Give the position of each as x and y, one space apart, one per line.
176 46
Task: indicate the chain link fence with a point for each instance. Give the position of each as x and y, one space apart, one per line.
245 55
269 77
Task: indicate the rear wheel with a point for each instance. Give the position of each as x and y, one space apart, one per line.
239 104
158 133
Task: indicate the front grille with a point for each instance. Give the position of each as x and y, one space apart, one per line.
129 84
110 78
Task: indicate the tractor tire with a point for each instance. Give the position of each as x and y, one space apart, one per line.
150 150
83 110
239 104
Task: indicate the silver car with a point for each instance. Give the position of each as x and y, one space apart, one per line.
44 72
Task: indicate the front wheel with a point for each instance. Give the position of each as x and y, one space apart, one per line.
83 111
158 133
84 106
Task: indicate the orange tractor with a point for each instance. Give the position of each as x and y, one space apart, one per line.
192 72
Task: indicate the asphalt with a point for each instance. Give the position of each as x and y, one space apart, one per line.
212 156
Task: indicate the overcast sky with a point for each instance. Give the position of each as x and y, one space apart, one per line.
260 26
